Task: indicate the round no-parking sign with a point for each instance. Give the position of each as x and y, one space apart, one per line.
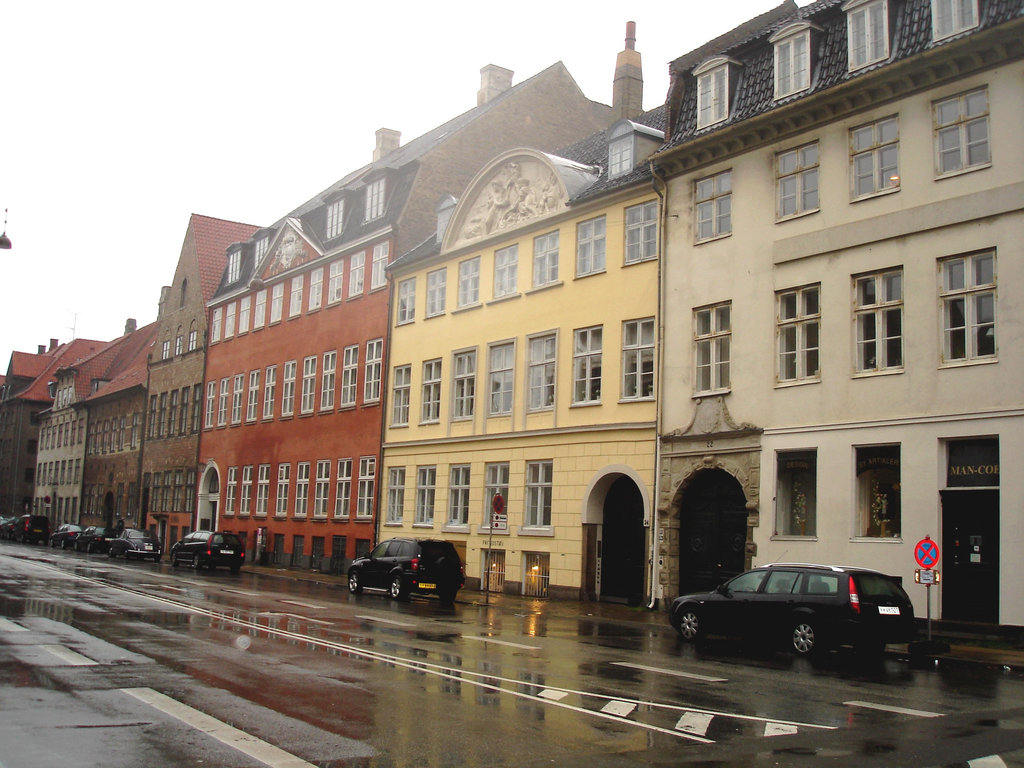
926 553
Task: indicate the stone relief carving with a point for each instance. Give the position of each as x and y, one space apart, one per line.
518 192
290 252
712 417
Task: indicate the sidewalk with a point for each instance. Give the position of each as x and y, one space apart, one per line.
953 643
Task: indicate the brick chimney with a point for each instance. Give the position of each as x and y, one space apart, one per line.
494 81
387 141
130 326
628 84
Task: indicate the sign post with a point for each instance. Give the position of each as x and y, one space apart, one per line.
926 553
499 520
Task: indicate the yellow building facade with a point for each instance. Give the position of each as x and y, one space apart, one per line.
521 410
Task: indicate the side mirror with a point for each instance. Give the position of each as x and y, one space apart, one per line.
722 589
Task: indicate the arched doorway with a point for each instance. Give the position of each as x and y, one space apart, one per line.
623 550
712 531
209 499
108 509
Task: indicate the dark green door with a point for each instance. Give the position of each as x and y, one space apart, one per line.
969 561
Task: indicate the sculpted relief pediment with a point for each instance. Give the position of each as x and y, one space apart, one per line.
517 191
291 251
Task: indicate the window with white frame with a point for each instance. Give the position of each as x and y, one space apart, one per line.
620 156
261 247
211 399
269 391
402 383
322 490
500 378
867 32
968 295
281 491
222 401
308 399
378 265
543 351
234 266
879 500
641 232
638 359
288 388
193 339
335 218
216 323
586 365
374 200
506 271
539 477
327 381
232 491
712 92
590 246
335 281
712 338
495 484
259 314
244 507
545 259
792 60
799 329
179 344
367 480
458 495
356 274
229 320
396 495
374 360
244 305
961 132
276 302
875 157
407 301
430 408
469 282
464 384
253 399
165 349
301 488
295 300
878 316
796 176
262 490
796 495
426 482
316 289
436 284
950 17
713 206
343 488
349 375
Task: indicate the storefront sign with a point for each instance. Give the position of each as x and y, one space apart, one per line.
973 463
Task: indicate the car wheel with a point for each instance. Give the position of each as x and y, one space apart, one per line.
355 586
805 639
111 554
197 564
397 587
690 628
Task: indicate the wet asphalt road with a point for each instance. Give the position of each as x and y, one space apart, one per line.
109 663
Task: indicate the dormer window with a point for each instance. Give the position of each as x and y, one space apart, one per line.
712 91
234 265
950 17
335 214
792 59
620 156
867 32
261 247
374 200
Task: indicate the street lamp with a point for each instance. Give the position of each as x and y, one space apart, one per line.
5 241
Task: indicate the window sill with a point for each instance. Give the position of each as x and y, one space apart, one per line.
968 363
505 297
795 383
797 215
435 314
426 526
794 537
962 171
876 540
467 308
535 531
877 193
712 238
873 374
642 260
455 528
710 393
486 529
585 275
545 287
646 399
394 524
585 404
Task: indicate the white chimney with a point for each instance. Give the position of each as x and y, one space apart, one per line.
387 141
494 81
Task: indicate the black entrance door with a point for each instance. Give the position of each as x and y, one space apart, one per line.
713 531
622 543
970 555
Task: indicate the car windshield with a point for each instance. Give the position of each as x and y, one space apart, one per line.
100 531
747 582
876 585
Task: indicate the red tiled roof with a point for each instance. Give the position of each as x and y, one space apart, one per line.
39 390
210 237
129 367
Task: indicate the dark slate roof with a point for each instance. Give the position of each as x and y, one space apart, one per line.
753 94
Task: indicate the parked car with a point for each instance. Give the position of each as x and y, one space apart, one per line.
804 607
95 538
7 526
134 543
404 566
209 549
31 529
65 535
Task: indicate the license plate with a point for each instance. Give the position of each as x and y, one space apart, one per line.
147 547
227 551
889 610
427 585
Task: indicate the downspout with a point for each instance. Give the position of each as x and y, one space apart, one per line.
658 181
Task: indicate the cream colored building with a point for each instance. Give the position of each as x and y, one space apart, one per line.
522 367
844 264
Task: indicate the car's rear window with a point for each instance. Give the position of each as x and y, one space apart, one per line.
435 550
230 540
876 585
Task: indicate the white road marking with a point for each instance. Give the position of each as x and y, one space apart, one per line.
241 592
677 673
9 626
553 695
245 743
619 708
304 605
68 656
385 621
694 722
992 761
779 729
494 641
896 710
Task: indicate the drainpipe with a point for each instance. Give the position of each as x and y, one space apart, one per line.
661 189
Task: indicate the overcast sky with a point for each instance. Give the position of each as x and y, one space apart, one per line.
118 120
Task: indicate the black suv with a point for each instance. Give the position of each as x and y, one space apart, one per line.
32 529
402 566
805 607
209 549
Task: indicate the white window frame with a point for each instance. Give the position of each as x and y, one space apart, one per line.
375 199
951 17
638 359
372 377
867 32
216 322
506 271
396 496
964 134
875 158
316 290
712 339
878 321
367 481
343 489
253 399
620 156
712 92
288 388
349 376
463 385
401 391
335 218
501 362
281 490
469 282
591 246
545 259
327 380
539 485
246 495
641 232
436 289
796 181
356 274
307 401
713 206
792 56
276 303
587 355
426 490
262 489
222 401
430 406
231 491
496 476
542 371
406 301
798 334
269 391
335 281
969 307
378 265
229 320
295 296
301 508
458 495
244 307
259 314
322 490
211 403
